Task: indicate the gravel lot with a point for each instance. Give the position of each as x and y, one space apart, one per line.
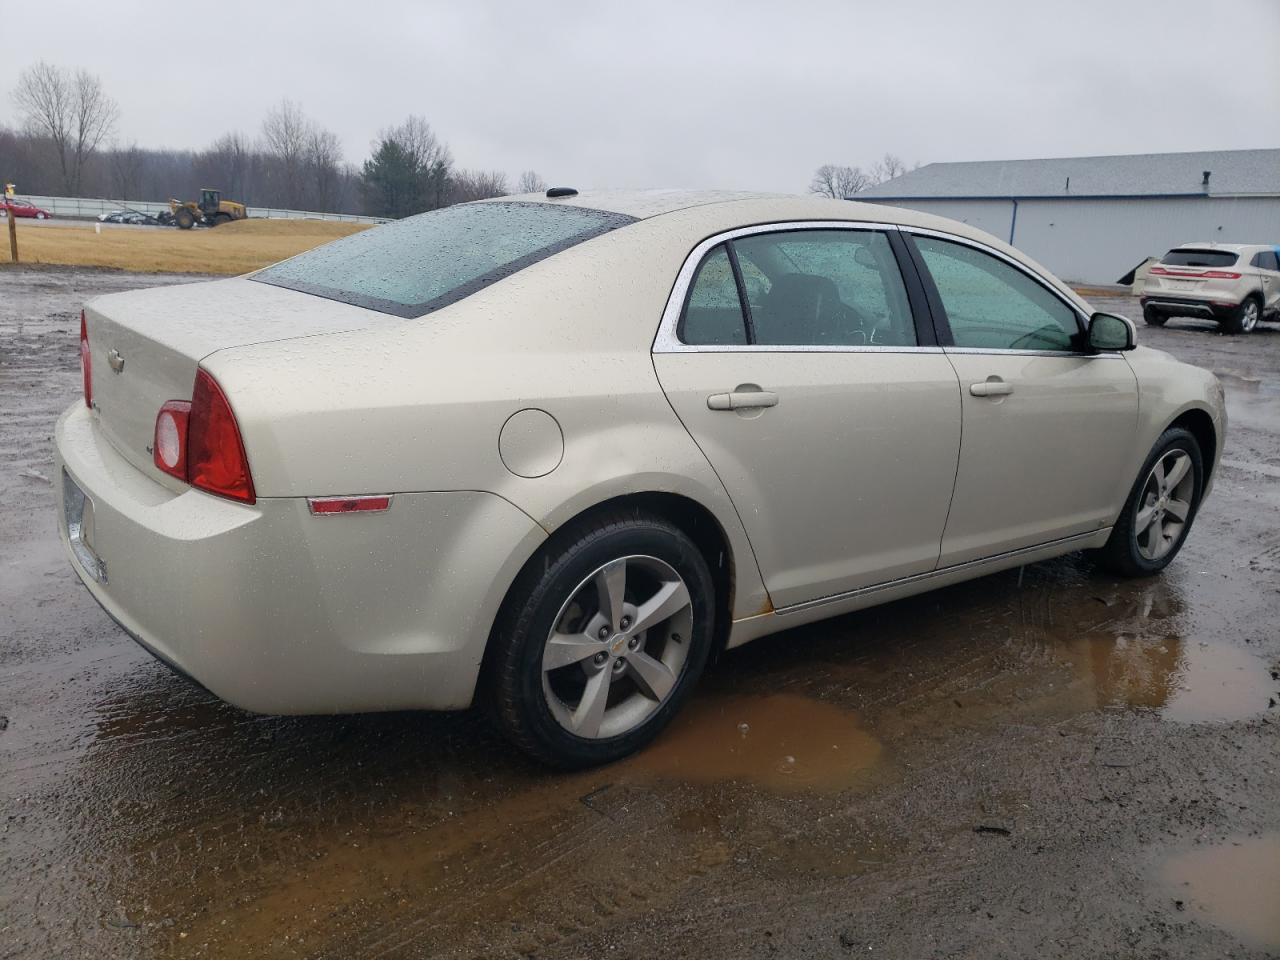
1045 763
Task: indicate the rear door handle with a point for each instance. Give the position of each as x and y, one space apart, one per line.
993 387
742 400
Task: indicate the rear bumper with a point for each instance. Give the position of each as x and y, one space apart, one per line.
278 611
1175 306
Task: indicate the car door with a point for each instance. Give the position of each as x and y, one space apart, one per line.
794 357
1269 274
1048 427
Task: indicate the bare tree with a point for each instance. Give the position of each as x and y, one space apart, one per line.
324 158
228 164
890 167
839 183
468 185
285 134
72 110
530 182
126 171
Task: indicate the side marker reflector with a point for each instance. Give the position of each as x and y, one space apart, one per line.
326 506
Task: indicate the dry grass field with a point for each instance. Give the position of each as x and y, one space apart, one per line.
230 249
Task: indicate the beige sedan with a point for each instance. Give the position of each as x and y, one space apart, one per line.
552 452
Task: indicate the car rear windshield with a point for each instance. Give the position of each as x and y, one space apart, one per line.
1200 258
422 263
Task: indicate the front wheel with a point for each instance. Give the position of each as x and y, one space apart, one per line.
1157 516
601 641
40 216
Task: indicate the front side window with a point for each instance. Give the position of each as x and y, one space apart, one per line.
419 264
1266 260
992 305
825 288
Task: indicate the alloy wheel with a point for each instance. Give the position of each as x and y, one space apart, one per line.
1164 508
1249 318
618 647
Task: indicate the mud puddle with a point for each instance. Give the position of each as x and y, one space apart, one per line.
1234 886
783 742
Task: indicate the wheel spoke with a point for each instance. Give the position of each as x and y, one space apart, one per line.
653 677
1143 520
611 585
671 598
564 649
1158 473
1178 509
1177 470
590 710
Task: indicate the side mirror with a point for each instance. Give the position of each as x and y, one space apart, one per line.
1110 332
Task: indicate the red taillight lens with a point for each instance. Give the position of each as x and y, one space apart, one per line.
1221 275
169 446
1207 275
1159 271
198 441
216 460
85 363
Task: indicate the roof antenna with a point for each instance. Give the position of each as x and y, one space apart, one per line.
1205 182
1067 189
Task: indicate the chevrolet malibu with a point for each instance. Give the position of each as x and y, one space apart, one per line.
551 453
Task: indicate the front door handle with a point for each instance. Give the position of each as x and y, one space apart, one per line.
991 387
742 400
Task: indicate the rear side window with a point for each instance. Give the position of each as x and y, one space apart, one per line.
825 288
419 264
1199 258
1266 260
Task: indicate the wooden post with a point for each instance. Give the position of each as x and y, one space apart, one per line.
13 235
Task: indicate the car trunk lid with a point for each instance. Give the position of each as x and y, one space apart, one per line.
145 346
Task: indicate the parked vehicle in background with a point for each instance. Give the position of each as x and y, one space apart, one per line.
21 208
551 454
1236 284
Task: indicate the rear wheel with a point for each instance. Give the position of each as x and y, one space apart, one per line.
1161 506
220 218
601 641
1244 318
1154 317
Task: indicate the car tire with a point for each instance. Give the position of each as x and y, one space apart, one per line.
532 695
40 216
1154 317
1244 318
1149 532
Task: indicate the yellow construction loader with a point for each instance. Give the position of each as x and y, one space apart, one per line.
211 210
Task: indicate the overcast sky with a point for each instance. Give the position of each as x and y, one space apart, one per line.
742 94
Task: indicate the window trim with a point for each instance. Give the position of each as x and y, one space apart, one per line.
945 333
667 339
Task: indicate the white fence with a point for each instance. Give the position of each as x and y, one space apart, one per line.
89 209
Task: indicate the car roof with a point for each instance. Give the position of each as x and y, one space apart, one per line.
643 204
1229 247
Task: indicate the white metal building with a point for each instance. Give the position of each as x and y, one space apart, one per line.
1092 219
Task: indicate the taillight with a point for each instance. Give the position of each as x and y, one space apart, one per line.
169 446
1207 275
85 363
200 442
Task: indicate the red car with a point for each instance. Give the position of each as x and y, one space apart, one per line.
20 208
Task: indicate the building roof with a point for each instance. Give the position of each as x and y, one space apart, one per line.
1232 172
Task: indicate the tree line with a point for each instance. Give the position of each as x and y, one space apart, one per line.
65 145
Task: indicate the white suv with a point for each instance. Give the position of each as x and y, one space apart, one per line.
1236 284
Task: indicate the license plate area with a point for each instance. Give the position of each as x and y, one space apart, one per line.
77 514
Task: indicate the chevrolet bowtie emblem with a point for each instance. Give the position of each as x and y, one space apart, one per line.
115 359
